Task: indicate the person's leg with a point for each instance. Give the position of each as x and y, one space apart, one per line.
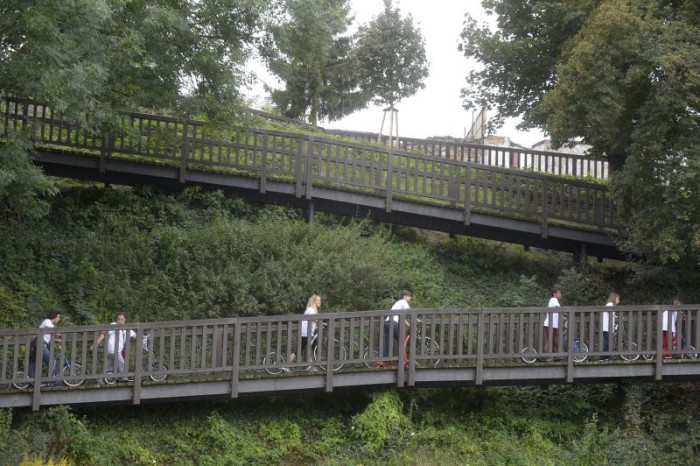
45 357
120 363
396 335
387 335
664 344
293 356
555 340
32 362
545 339
606 346
606 343
302 350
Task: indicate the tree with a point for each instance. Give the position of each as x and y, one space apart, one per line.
310 55
624 76
391 55
107 56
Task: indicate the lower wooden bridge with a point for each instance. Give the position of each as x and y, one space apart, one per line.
468 192
235 357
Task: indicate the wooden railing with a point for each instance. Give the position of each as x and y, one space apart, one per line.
549 162
236 349
308 162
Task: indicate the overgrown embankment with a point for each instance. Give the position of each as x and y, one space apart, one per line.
198 255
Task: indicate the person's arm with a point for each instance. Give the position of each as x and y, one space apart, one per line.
99 340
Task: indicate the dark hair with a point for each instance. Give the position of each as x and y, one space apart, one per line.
53 314
555 288
405 293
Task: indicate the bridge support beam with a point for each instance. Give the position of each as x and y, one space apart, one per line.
310 211
580 256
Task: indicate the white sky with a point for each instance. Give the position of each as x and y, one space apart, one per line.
437 109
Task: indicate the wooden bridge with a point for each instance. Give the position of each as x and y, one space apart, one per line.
228 358
496 193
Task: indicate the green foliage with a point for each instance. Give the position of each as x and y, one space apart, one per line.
520 58
593 446
227 442
536 425
87 55
382 422
205 255
24 191
198 254
621 75
309 53
580 288
391 54
157 258
5 425
36 461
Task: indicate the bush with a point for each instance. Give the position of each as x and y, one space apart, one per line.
381 422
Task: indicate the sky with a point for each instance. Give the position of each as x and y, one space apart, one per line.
437 109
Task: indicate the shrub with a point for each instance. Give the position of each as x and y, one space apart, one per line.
380 421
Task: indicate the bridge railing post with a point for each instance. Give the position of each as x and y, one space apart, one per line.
478 378
39 370
658 372
106 149
412 351
185 155
236 363
389 179
330 353
545 208
401 350
138 370
299 167
571 335
309 166
468 194
263 164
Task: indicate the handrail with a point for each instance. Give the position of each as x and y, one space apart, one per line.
310 161
543 161
238 349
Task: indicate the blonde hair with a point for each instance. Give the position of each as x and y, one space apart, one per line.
312 301
614 298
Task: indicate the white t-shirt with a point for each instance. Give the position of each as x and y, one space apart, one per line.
398 306
112 337
47 323
305 323
606 318
553 302
664 324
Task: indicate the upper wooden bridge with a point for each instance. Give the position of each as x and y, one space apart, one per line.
228 358
533 198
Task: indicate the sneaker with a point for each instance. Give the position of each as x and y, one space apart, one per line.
311 369
286 369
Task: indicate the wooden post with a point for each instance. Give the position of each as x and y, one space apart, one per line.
184 157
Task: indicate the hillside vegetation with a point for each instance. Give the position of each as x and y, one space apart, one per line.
160 256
